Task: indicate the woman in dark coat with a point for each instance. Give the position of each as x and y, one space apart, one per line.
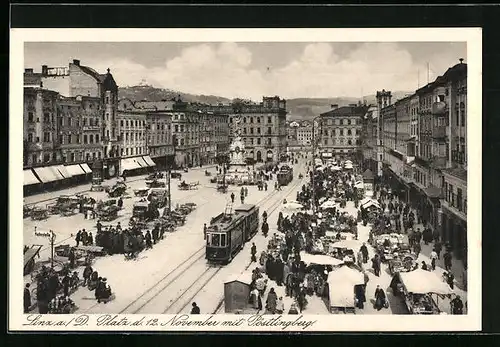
359 292
379 298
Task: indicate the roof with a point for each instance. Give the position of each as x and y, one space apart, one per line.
458 172
245 207
347 111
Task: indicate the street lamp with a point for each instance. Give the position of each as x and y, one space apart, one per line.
314 166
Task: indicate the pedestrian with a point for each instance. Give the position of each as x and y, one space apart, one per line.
293 309
364 252
424 266
71 258
27 298
195 309
447 261
86 274
253 252
205 231
232 197
149 243
66 282
438 247
265 186
265 228
417 248
451 280
246 191
457 305
359 291
376 265
433 257
271 301
78 237
90 239
242 199
380 298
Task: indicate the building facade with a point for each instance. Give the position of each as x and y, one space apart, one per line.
340 130
91 89
305 134
40 126
186 134
154 138
368 139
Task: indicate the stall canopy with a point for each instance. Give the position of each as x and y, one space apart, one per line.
86 168
46 174
245 278
359 185
367 202
129 164
30 178
349 244
424 282
319 259
341 295
75 170
347 275
63 171
329 204
149 161
292 206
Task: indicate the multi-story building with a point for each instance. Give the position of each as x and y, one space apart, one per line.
70 132
341 130
305 134
262 126
454 199
292 129
91 145
151 138
40 126
81 81
186 125
214 135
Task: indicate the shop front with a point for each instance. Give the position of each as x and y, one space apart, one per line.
111 168
454 230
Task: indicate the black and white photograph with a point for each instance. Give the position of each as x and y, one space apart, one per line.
260 176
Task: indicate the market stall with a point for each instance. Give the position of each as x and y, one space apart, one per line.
341 289
237 292
420 289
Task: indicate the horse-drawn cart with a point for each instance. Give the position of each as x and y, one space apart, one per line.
38 213
141 192
188 186
29 258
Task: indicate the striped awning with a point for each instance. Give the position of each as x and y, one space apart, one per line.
75 170
46 174
129 164
149 161
63 171
86 168
141 161
30 178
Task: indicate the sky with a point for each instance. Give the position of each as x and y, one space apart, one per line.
252 70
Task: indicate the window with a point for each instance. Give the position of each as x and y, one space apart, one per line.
244 130
258 130
349 132
326 141
69 138
46 117
107 100
269 141
459 199
91 138
244 119
341 122
84 139
176 128
30 137
251 129
30 117
269 120
258 119
251 119
349 142
60 139
341 132
269 130
46 137
348 122
258 141
77 138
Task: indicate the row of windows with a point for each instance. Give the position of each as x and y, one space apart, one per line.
340 121
47 157
341 132
132 136
251 119
133 151
338 141
455 199
256 141
136 123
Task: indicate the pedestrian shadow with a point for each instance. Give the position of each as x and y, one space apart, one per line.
396 303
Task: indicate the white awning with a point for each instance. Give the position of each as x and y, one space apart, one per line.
141 161
63 171
129 164
56 172
149 161
29 178
75 170
86 168
326 155
46 175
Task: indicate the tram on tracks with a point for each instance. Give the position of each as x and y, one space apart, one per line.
285 175
228 232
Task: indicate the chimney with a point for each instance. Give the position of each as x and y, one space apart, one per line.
461 60
28 71
334 106
45 70
76 62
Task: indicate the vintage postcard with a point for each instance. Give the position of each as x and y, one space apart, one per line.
245 180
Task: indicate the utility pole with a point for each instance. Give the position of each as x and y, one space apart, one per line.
314 166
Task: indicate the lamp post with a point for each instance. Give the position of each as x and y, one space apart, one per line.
314 166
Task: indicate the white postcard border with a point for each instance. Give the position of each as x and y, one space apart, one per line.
470 322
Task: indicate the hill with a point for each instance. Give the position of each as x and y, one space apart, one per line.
298 109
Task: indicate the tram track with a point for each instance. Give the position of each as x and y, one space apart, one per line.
146 297
274 207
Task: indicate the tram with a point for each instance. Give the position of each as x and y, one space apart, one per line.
228 233
285 175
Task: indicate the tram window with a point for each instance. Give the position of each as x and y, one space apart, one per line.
209 239
223 240
216 240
